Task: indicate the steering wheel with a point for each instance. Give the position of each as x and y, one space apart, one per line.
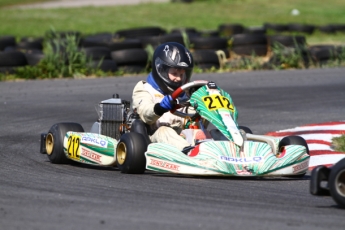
182 89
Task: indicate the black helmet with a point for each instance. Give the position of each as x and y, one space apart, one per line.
167 55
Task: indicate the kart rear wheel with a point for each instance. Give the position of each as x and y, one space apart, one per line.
130 157
336 183
294 140
55 139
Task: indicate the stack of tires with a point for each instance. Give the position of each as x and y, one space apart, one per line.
249 44
100 58
10 58
209 52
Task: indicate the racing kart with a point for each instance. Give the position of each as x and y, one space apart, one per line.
329 181
119 138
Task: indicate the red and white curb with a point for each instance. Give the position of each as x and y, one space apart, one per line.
319 140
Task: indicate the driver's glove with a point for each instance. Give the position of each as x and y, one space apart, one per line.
164 106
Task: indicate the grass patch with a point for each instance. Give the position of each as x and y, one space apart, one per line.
339 143
202 15
6 3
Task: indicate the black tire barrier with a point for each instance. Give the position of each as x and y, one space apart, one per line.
30 44
111 43
249 50
249 39
6 41
227 30
276 27
295 27
104 65
34 58
155 41
97 52
287 40
255 30
130 56
204 57
12 58
209 42
135 69
140 32
328 29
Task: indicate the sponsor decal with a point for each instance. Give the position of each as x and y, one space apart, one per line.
91 155
300 167
164 164
243 172
94 141
238 160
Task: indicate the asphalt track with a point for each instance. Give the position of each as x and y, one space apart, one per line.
35 194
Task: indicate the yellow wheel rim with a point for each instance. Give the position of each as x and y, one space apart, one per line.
121 153
49 143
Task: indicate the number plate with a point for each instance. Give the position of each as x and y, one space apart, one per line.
217 101
73 149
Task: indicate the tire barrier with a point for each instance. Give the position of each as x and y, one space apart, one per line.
129 50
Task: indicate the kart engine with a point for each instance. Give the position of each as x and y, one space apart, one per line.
113 117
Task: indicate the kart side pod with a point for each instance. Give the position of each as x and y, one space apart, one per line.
113 120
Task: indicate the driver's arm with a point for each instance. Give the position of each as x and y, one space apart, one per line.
144 104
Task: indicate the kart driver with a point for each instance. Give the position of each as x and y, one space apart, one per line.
172 67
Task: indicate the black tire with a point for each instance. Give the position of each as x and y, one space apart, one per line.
136 69
97 52
157 40
205 56
6 41
140 32
319 174
249 39
295 27
55 138
249 50
12 58
293 140
34 58
130 157
105 65
328 29
209 42
245 129
276 27
28 44
228 30
336 183
286 40
130 56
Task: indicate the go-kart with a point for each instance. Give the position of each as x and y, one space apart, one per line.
119 138
329 181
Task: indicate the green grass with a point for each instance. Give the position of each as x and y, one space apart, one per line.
339 143
202 15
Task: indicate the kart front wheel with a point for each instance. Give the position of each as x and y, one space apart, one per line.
245 129
55 138
294 140
130 153
336 183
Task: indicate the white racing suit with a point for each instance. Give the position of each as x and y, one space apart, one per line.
167 126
